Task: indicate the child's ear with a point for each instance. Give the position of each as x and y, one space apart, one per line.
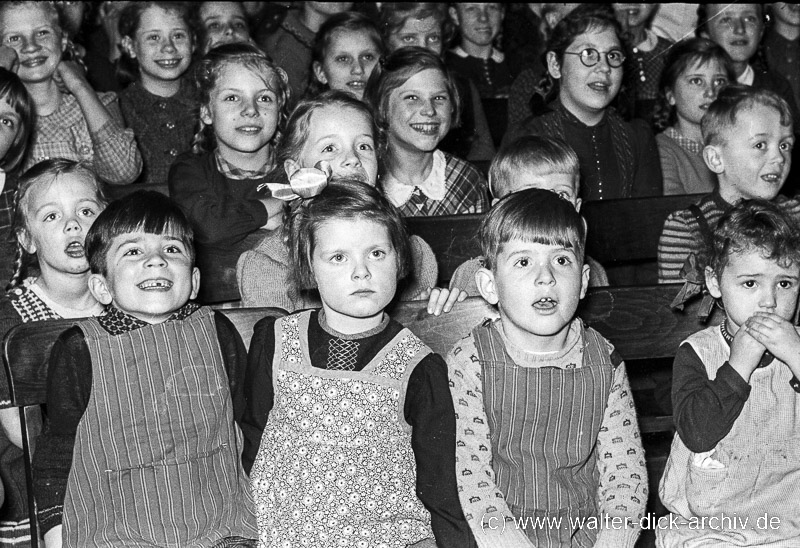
553 66
98 287
454 15
24 239
290 167
484 279
585 279
713 158
578 204
127 45
712 283
195 283
670 97
319 73
205 115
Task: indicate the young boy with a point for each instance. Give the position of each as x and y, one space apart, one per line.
140 445
546 429
733 474
748 137
531 162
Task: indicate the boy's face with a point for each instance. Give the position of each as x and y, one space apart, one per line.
563 184
737 28
750 283
537 288
478 23
754 157
150 276
787 13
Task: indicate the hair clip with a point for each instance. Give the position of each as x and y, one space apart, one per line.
693 286
304 183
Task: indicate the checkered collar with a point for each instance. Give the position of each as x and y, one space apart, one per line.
684 142
232 172
117 322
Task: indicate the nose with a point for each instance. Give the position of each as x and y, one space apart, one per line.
29 45
357 67
738 26
768 298
544 275
169 45
710 90
351 158
72 225
249 108
483 14
428 108
155 260
228 30
361 270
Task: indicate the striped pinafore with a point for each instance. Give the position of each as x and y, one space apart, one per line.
156 459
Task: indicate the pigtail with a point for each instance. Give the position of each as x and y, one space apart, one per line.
20 268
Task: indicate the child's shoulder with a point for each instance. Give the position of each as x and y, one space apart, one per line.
456 167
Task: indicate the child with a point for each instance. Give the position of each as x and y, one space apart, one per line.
243 99
531 162
735 393
416 102
548 395
479 25
782 44
338 130
218 23
343 401
694 72
72 121
140 445
748 137
56 203
159 105
585 56
346 49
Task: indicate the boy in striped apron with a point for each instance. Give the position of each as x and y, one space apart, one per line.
548 452
140 447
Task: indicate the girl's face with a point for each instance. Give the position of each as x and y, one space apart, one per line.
244 111
355 266
344 139
224 22
57 215
420 112
9 126
425 33
348 62
34 33
737 28
633 15
696 88
162 45
587 90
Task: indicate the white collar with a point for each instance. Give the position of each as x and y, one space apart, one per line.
497 56
747 76
433 186
650 41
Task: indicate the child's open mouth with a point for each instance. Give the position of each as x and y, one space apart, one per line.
357 84
772 178
602 87
169 63
34 62
250 130
426 129
545 303
75 250
159 284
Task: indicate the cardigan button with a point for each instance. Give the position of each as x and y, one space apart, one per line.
170 125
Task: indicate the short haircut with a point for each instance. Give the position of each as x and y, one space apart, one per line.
545 155
754 225
13 91
721 115
145 211
342 199
531 215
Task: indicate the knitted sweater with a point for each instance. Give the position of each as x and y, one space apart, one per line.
684 170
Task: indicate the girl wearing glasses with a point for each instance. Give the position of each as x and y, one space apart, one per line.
585 59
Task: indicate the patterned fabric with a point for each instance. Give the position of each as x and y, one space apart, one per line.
237 174
687 144
8 242
117 322
29 306
519 97
466 191
342 355
751 473
491 76
783 57
112 151
682 165
236 542
335 465
648 65
156 458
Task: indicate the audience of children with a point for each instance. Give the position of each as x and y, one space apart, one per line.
159 105
585 56
142 447
218 23
57 201
547 395
748 136
694 72
72 121
782 44
735 389
349 426
415 101
243 98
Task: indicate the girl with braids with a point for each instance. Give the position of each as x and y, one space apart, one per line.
72 120
585 56
57 201
243 99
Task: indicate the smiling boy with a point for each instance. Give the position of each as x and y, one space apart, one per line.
140 431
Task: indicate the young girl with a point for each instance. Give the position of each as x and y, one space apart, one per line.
347 411
218 23
695 71
72 121
585 56
57 201
243 98
159 105
416 102
346 49
339 130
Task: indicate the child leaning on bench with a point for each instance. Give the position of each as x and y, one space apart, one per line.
140 446
736 454
545 423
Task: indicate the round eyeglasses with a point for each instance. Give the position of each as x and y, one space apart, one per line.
590 57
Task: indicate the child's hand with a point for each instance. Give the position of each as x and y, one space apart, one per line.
792 207
70 77
442 300
778 335
746 351
9 59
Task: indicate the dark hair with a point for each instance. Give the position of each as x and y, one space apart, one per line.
682 56
342 199
759 58
547 155
200 29
531 215
130 18
145 211
734 98
16 95
754 225
346 21
394 15
250 57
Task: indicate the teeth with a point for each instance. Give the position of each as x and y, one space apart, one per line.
426 128
155 284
